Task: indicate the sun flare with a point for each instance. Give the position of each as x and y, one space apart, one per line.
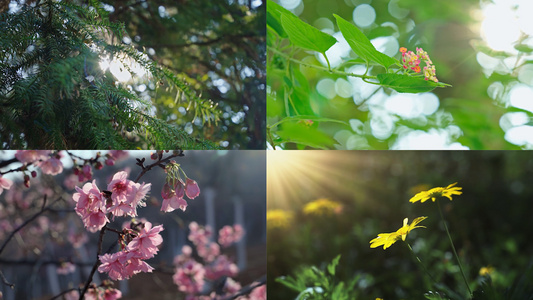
297 177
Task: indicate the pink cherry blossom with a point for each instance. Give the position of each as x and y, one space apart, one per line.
199 235
52 165
126 195
189 277
5 184
191 189
112 294
231 286
259 293
120 186
145 244
72 295
138 193
133 264
29 156
85 174
118 154
171 200
66 268
208 251
112 265
228 235
90 206
70 181
222 266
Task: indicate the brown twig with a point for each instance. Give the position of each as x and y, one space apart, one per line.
64 292
247 289
96 264
4 280
43 209
140 162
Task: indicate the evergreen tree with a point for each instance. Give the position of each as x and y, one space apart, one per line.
54 92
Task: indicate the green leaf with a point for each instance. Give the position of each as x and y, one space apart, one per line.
289 282
523 48
361 45
407 84
333 265
306 36
305 135
274 12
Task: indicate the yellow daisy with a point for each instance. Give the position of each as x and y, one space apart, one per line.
437 192
387 239
322 206
279 219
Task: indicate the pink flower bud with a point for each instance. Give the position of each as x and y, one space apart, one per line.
33 174
109 162
191 189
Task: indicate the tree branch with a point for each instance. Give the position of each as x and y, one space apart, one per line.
96 264
247 289
43 209
4 280
140 162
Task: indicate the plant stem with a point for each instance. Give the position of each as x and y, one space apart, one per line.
453 248
286 56
420 262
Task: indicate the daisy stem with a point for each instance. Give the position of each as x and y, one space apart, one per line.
453 248
420 262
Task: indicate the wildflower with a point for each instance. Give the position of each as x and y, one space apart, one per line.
5 184
429 73
322 207
387 239
412 60
486 271
437 192
278 218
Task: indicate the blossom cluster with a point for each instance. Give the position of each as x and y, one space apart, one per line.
103 292
228 235
121 198
173 196
191 276
411 61
130 260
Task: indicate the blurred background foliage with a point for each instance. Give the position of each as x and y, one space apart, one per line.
219 48
483 48
369 193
